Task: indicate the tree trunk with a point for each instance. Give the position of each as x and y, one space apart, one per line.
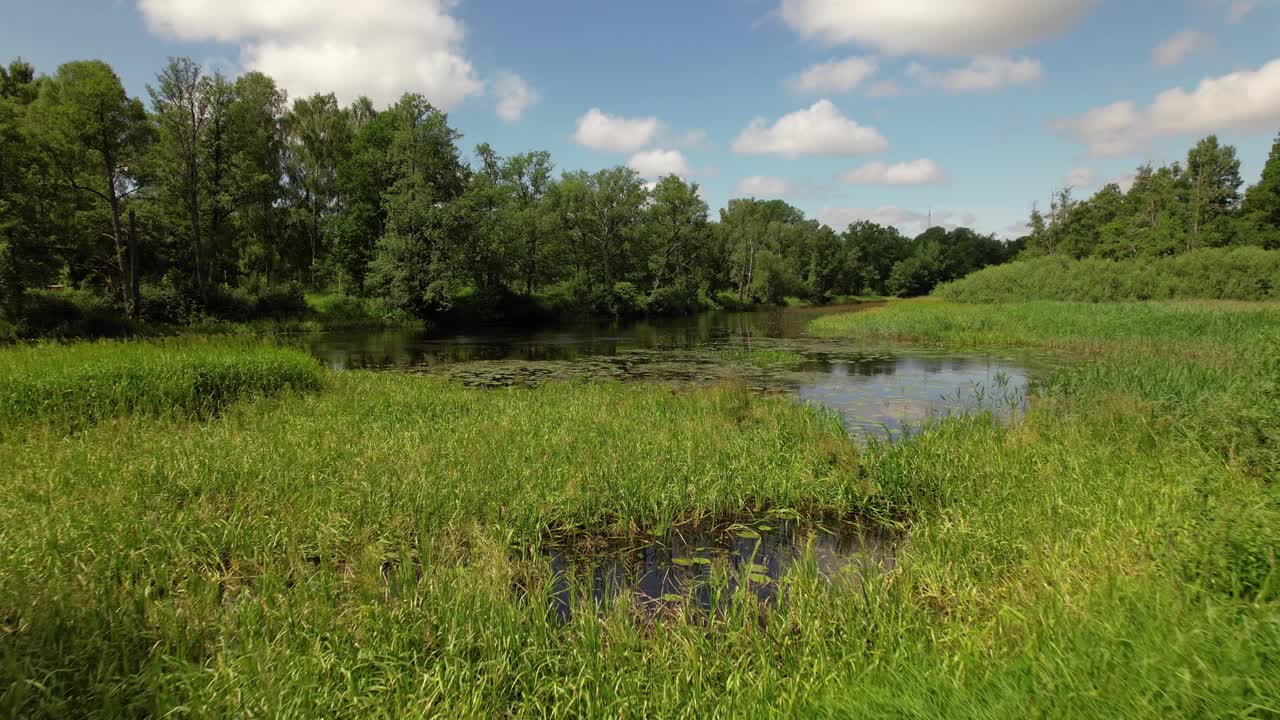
135 299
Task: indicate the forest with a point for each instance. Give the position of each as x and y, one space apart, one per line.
220 199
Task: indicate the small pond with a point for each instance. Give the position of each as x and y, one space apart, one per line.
704 569
878 391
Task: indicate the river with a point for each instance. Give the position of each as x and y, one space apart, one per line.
878 390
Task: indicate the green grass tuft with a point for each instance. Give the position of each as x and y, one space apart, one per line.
76 385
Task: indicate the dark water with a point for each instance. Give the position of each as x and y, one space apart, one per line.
877 391
704 569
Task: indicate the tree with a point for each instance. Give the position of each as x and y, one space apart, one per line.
96 136
529 176
1213 179
317 139
181 102
601 211
255 187
677 218
414 263
1262 204
919 273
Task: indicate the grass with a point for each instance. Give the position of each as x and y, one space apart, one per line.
352 553
1200 327
72 385
764 359
1226 273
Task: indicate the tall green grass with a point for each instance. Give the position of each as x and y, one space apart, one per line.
74 385
372 550
1229 329
1240 273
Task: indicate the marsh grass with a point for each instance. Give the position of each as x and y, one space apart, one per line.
77 385
372 550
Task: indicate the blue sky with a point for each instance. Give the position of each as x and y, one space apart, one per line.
846 108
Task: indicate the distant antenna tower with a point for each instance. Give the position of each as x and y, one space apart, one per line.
930 216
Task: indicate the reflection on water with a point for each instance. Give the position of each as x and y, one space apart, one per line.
879 391
704 569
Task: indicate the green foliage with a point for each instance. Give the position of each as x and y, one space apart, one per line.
77 385
1242 273
279 562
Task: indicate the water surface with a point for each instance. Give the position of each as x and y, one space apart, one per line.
876 390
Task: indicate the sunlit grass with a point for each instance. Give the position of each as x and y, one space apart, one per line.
357 552
770 358
84 383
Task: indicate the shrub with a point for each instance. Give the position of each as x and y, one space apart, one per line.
1241 273
69 314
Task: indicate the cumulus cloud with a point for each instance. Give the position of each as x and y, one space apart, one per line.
514 96
761 186
983 73
909 222
835 75
1246 100
917 172
818 130
381 48
659 163
1079 178
953 27
600 131
1177 48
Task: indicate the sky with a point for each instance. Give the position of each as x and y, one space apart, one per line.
960 111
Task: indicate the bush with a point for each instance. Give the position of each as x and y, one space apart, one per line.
280 302
1241 273
70 314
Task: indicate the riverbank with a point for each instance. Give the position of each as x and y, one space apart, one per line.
372 546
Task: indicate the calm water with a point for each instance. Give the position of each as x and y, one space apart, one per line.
703 569
880 391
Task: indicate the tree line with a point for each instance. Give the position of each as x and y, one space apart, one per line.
215 195
1168 210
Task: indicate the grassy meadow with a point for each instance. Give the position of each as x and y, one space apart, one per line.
366 545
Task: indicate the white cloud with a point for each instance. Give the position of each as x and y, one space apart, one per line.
909 222
1178 47
1016 230
819 130
1079 178
917 172
659 163
936 27
514 96
1246 100
761 186
600 131
983 73
696 139
1125 182
382 48
835 75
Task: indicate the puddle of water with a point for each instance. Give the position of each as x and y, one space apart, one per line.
703 569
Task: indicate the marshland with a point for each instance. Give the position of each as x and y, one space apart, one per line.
306 410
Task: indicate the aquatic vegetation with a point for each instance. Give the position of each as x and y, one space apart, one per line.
387 547
761 358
